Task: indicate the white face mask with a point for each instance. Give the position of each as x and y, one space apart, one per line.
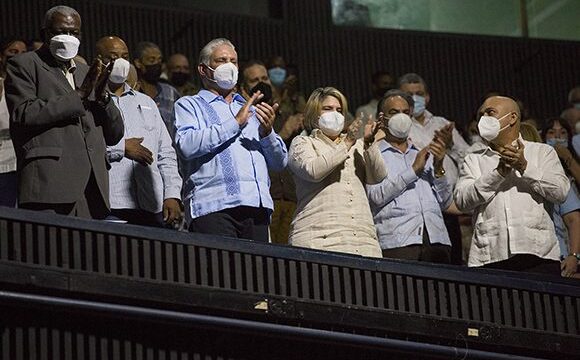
120 71
225 76
64 47
489 127
331 123
577 127
399 125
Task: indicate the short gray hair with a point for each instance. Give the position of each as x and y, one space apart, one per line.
412 78
393 93
60 9
205 53
142 46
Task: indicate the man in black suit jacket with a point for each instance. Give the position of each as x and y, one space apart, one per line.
61 121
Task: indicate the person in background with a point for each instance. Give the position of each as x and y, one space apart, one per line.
426 127
510 187
529 132
133 78
558 134
407 204
285 90
226 146
148 60
144 180
566 216
34 44
572 117
381 82
10 46
61 120
179 75
330 169
282 187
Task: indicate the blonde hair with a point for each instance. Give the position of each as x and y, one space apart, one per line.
313 107
529 132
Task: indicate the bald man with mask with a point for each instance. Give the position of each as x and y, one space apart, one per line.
145 182
511 186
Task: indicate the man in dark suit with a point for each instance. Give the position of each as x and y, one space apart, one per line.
61 121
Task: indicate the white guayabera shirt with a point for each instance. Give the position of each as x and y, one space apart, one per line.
512 215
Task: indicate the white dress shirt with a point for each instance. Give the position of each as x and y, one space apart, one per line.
421 135
512 215
136 186
7 155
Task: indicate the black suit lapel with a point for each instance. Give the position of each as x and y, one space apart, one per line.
50 64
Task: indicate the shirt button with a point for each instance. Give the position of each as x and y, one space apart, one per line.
90 148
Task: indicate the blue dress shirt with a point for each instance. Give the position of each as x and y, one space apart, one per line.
404 203
224 165
166 97
571 204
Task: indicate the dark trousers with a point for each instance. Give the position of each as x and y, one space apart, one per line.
454 231
241 222
527 263
90 206
435 253
137 217
8 189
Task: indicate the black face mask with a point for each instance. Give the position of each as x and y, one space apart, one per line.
152 73
264 89
179 78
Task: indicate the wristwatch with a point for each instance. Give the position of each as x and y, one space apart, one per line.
576 255
439 173
105 100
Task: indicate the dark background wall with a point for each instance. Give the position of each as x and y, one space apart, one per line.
459 69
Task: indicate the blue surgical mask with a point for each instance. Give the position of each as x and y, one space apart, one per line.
577 105
555 141
277 75
419 107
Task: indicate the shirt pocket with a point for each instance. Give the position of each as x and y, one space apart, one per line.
148 117
487 234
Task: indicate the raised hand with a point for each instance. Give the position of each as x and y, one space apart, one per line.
514 157
438 150
91 79
371 129
420 161
445 134
137 152
244 114
352 132
101 82
266 114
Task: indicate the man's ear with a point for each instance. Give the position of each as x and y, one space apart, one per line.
513 118
427 99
